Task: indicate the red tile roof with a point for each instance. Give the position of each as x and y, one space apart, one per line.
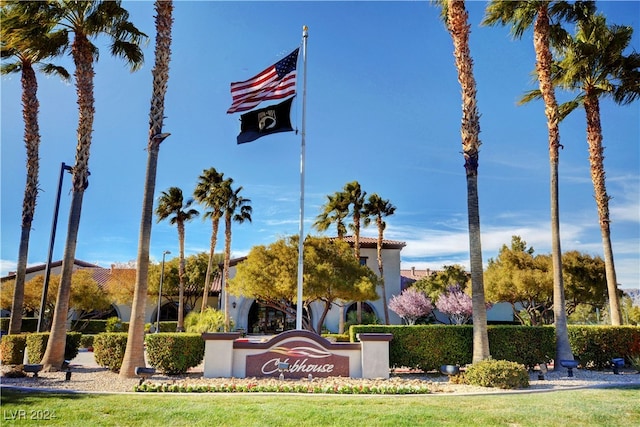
372 242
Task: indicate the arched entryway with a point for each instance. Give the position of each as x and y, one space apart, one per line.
368 314
169 312
263 319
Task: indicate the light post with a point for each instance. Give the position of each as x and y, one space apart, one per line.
52 240
160 291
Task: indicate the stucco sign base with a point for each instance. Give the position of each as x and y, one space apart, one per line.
303 353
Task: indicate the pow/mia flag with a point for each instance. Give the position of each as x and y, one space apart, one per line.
265 121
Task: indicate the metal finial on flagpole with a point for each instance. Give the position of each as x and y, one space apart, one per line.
300 305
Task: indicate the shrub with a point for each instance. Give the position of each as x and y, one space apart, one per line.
367 319
497 373
595 346
425 347
29 324
12 349
114 324
86 341
168 326
209 320
91 326
37 345
529 345
174 353
109 348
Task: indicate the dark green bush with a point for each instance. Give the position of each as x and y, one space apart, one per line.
90 326
523 344
174 353
114 324
424 347
86 341
168 326
109 348
37 345
12 349
595 346
29 324
497 373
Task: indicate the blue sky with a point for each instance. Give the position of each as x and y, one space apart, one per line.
383 108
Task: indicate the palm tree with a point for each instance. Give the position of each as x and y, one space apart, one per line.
334 211
378 208
27 39
355 197
594 65
87 20
210 192
172 205
236 208
134 352
540 14
456 18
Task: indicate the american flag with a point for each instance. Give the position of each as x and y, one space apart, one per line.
276 82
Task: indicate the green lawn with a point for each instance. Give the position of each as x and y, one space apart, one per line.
589 407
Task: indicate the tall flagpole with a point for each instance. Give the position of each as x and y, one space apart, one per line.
302 148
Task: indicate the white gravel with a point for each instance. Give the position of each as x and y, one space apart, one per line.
86 376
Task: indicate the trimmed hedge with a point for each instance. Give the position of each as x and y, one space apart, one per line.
12 349
174 353
109 348
595 346
29 324
37 345
527 345
426 347
90 326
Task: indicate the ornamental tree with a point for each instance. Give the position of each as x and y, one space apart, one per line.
331 274
411 305
456 305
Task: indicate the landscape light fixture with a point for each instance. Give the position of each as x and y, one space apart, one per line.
543 370
570 365
52 240
160 291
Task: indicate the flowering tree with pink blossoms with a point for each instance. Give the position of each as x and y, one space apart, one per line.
455 304
411 305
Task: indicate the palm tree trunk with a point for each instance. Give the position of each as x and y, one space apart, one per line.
180 327
356 246
207 279
457 19
227 259
383 288
134 352
54 354
480 334
596 160
543 67
30 108
83 59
